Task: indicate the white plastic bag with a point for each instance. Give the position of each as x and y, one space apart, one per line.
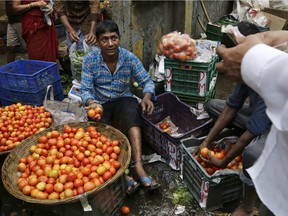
63 112
77 52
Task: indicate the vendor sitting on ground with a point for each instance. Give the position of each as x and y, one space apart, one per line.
105 83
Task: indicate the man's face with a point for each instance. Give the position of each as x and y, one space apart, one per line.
109 43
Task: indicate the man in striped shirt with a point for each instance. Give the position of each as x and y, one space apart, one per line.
105 83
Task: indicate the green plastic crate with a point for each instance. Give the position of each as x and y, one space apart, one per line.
197 101
188 76
220 189
213 29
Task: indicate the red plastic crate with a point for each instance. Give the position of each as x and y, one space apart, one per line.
163 143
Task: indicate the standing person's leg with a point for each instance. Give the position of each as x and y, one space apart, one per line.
15 42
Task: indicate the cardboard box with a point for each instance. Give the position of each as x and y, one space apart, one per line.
279 18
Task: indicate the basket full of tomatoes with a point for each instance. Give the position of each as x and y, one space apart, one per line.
67 162
18 121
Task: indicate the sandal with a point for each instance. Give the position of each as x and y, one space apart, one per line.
132 187
149 180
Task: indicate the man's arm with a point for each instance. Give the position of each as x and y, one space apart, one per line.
233 152
18 8
59 8
95 19
223 120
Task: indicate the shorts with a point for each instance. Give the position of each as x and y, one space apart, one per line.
14 36
122 114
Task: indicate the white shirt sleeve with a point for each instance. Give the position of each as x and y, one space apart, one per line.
265 69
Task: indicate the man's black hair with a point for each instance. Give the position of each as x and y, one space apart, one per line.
245 28
107 26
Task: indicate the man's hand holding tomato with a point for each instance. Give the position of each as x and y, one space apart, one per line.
95 111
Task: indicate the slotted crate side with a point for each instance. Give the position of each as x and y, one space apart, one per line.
168 104
191 78
9 97
230 187
28 75
107 202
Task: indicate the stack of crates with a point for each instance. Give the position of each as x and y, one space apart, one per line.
193 82
25 81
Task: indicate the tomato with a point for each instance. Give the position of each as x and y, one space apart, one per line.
107 175
91 113
27 190
204 152
59 187
125 210
88 186
78 183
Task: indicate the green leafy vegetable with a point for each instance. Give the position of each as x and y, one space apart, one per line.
182 196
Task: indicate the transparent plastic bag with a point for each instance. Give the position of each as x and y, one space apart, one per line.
77 52
63 112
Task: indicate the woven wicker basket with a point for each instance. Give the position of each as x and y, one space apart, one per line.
10 172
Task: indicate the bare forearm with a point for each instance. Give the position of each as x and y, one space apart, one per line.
239 147
19 8
223 120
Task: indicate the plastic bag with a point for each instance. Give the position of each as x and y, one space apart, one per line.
154 69
63 112
177 46
77 52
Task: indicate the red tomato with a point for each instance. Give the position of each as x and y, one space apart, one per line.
125 210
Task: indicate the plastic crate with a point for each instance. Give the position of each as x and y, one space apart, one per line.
9 97
26 81
213 30
190 77
163 143
219 190
198 102
60 30
106 202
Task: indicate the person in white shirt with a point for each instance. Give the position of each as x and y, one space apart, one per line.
258 62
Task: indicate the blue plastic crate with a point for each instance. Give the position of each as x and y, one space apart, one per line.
9 97
26 81
28 75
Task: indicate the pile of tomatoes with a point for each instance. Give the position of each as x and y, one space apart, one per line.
18 121
218 153
63 165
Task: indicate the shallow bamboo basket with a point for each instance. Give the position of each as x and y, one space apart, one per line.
10 171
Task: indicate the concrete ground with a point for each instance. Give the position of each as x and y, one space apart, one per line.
156 203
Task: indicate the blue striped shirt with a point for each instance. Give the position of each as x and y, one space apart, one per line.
98 83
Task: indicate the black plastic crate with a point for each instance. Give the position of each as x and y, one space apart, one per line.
163 143
220 189
106 202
